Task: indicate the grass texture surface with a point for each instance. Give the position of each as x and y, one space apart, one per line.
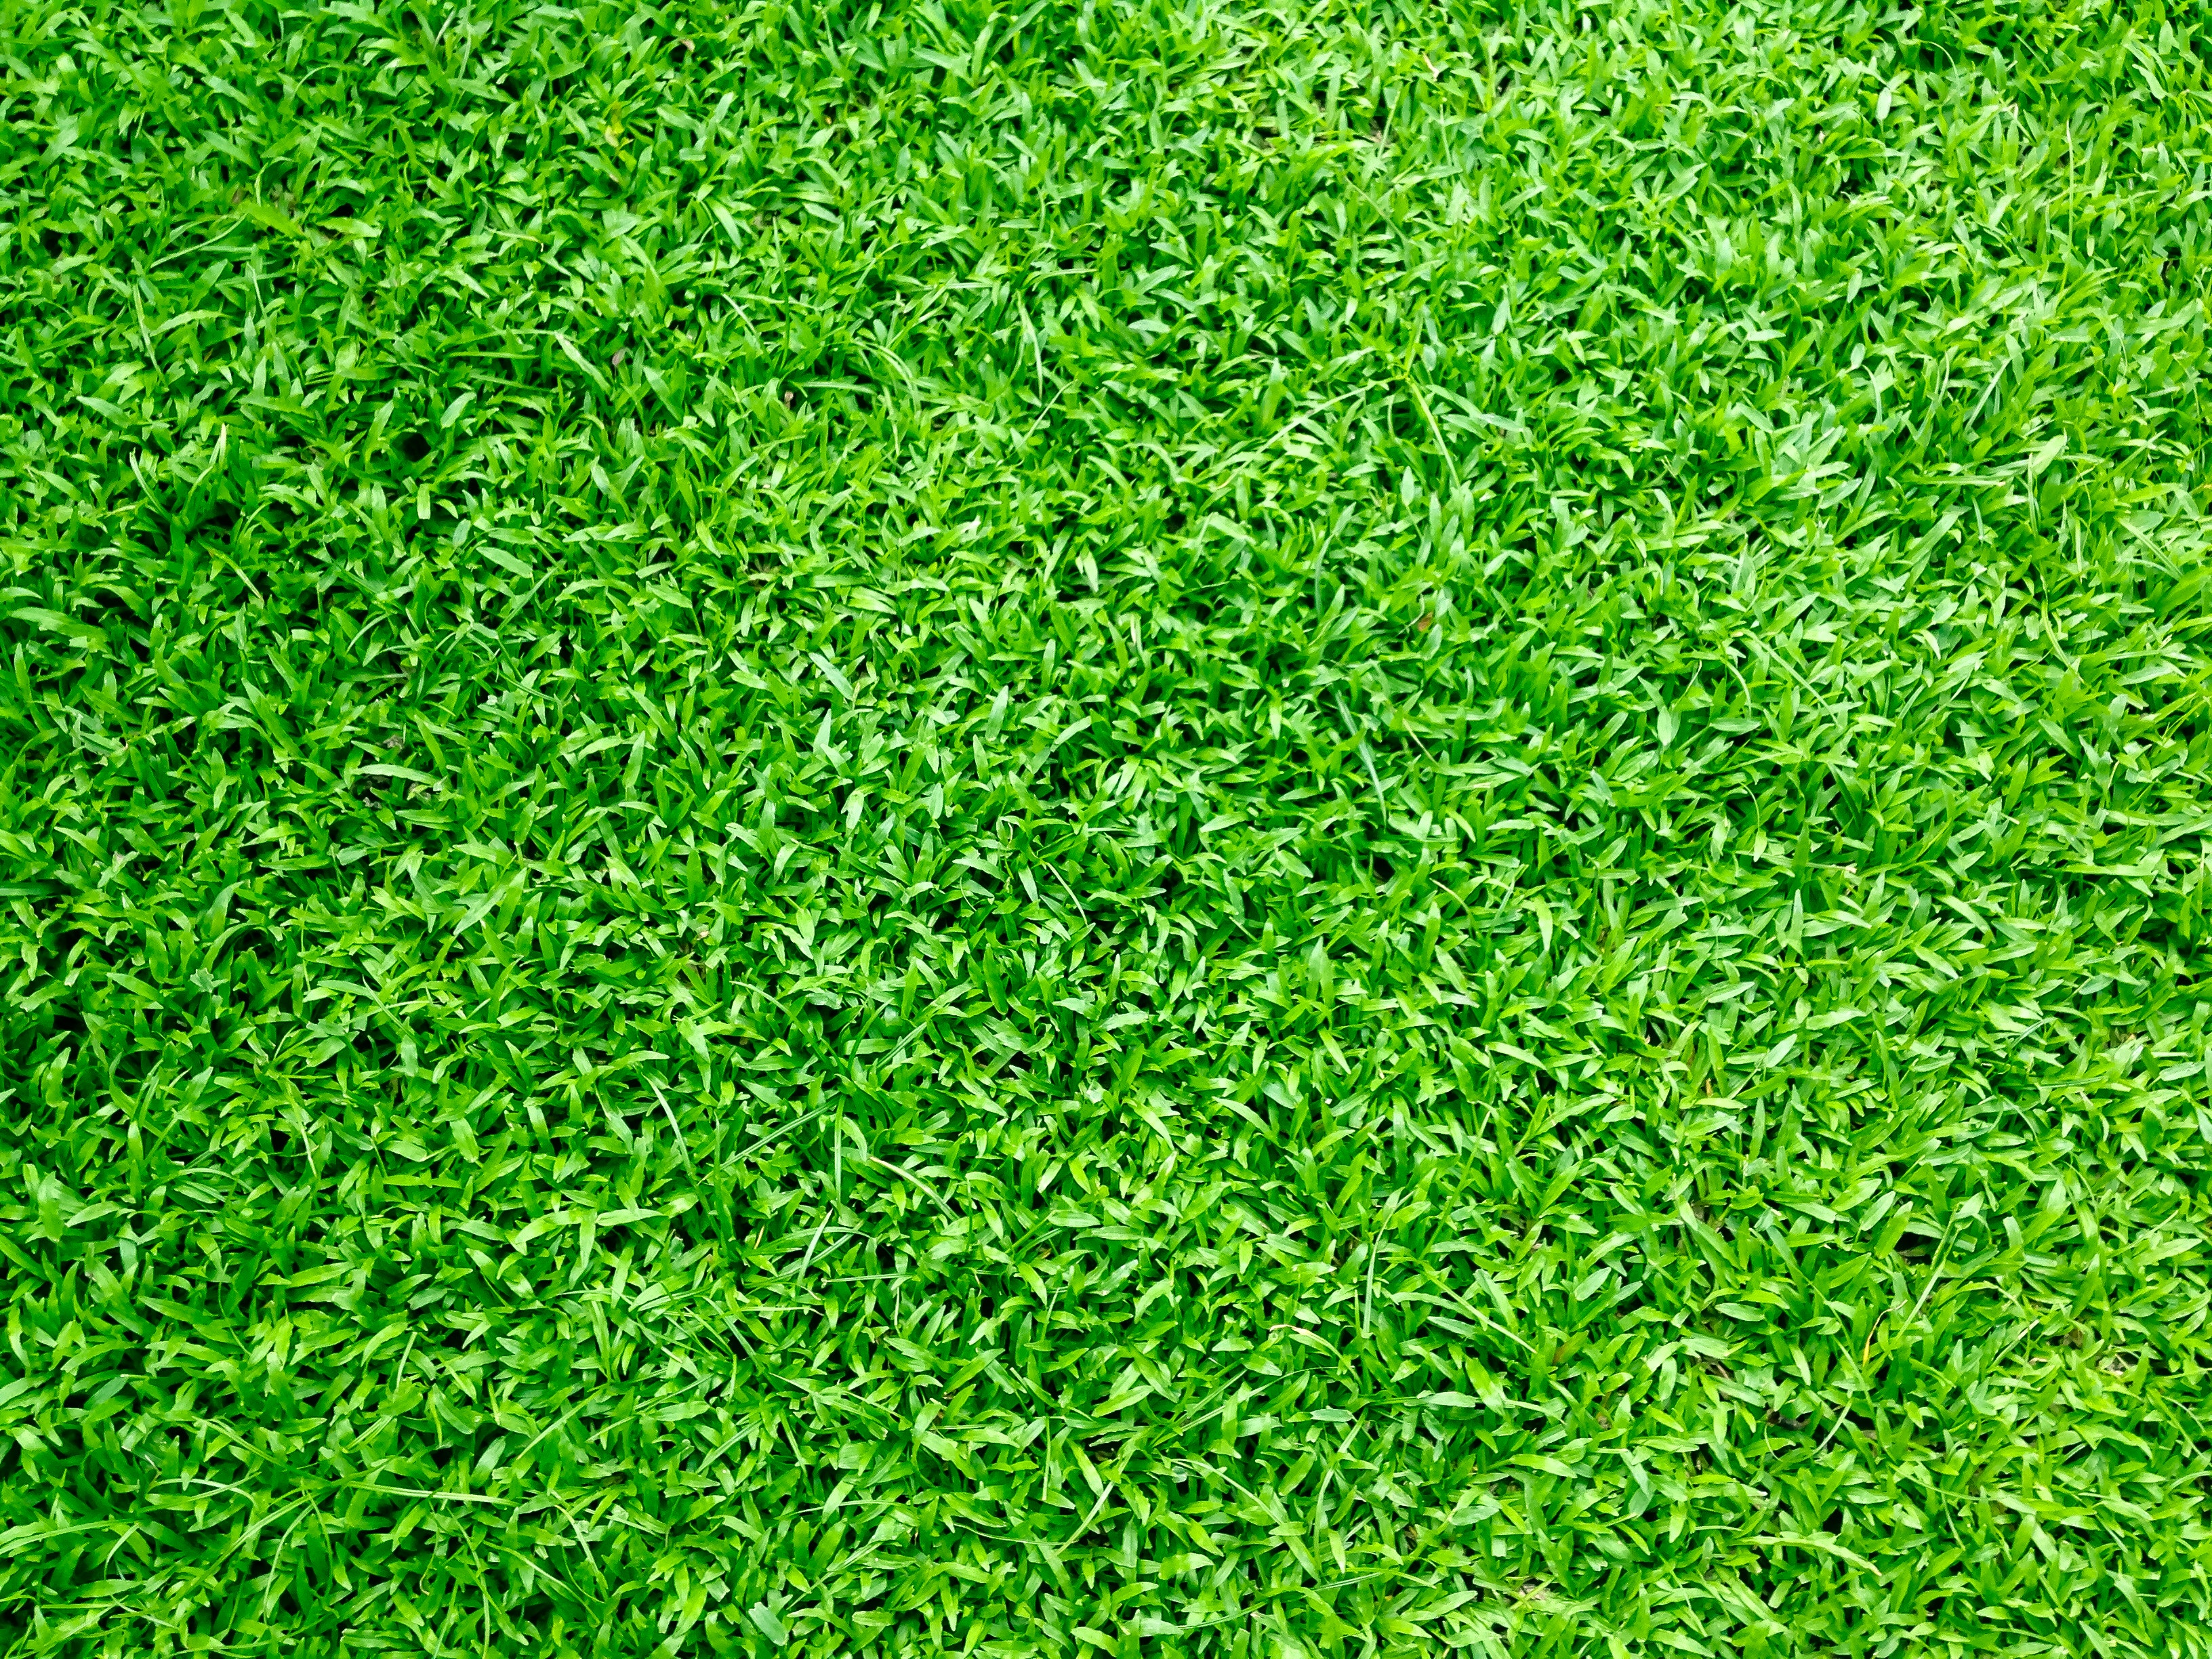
1111 827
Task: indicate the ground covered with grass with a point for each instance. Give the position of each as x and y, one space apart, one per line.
1214 828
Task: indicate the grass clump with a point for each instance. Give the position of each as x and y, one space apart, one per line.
1184 830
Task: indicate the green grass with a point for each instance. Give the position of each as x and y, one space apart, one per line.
1122 827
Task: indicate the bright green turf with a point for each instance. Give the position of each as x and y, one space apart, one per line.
1166 829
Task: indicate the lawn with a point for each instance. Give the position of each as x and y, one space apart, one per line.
1280 829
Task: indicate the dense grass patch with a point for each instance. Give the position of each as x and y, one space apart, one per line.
1232 830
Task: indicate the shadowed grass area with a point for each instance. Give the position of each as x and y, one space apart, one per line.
1282 831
